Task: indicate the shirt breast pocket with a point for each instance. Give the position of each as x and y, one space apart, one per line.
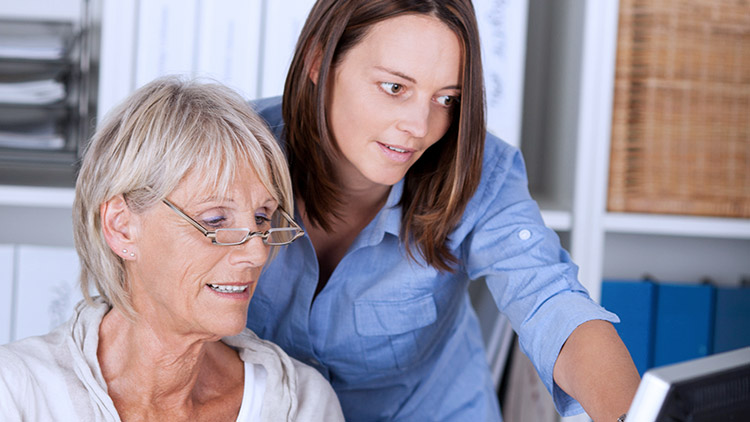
395 333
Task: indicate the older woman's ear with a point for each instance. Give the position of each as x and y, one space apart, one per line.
117 226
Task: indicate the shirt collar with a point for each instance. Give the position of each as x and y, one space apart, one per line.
388 219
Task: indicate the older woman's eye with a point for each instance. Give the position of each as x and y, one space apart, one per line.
262 222
392 88
447 100
217 222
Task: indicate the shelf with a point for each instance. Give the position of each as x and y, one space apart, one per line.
554 213
63 198
557 220
49 72
677 225
33 196
35 40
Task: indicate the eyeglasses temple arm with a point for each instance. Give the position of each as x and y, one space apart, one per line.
186 217
290 219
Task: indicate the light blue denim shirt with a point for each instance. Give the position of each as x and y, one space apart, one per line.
398 339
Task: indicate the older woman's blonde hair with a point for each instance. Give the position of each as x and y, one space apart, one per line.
144 149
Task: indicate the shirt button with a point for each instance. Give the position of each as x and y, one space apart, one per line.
524 234
313 362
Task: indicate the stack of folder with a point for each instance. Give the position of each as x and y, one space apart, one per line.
665 323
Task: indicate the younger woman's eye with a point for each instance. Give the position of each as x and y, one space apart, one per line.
447 100
392 88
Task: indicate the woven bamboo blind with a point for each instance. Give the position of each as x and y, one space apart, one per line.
681 116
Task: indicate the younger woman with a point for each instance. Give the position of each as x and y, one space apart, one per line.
406 200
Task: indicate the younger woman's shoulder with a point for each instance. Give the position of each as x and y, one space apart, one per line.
269 108
500 161
497 151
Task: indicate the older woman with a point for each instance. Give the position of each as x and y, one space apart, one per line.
181 195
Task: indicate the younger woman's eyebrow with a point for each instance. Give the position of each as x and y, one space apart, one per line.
409 78
397 73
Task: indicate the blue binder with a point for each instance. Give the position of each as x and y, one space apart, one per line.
635 303
732 324
684 322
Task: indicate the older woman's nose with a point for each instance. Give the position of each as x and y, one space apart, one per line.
253 252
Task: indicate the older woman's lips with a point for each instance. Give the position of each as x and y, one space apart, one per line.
228 288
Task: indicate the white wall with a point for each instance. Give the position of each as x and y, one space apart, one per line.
38 289
6 292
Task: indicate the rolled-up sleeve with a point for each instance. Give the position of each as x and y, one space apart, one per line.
531 277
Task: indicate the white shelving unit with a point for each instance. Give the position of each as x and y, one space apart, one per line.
36 196
677 225
38 264
566 132
49 72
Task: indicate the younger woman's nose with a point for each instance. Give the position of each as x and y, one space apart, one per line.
414 118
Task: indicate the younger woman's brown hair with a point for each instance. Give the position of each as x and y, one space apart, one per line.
440 184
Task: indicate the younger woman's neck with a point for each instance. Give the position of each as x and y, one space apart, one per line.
362 200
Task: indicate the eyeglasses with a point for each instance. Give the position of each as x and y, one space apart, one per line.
276 236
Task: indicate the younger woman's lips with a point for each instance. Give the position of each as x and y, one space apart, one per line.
394 153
